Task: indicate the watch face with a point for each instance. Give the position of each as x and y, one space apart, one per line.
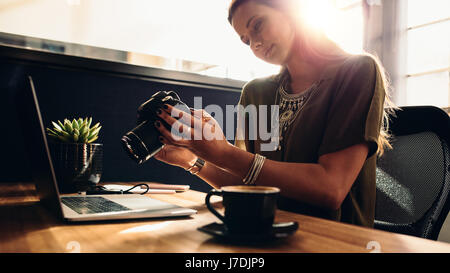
197 166
200 162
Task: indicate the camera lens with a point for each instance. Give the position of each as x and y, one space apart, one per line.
141 143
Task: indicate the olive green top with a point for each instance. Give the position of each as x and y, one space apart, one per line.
345 108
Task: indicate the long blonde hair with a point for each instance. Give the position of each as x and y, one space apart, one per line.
316 46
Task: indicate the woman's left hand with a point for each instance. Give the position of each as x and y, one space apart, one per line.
197 131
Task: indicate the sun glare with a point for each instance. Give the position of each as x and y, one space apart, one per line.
317 13
342 25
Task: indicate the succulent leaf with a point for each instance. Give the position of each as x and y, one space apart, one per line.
75 124
94 132
89 122
76 134
83 129
84 135
61 125
65 134
56 126
50 131
68 126
92 139
95 126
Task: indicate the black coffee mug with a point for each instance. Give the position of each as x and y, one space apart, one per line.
248 209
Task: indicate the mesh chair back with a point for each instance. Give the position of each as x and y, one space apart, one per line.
413 179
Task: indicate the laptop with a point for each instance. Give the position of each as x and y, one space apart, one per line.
78 207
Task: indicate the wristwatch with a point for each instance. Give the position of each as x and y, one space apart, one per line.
198 165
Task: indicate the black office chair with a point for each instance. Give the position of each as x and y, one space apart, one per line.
413 179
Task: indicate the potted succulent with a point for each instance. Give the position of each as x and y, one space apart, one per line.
77 159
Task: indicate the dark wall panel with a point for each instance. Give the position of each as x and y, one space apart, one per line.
110 98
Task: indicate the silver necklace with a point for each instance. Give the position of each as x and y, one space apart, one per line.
290 106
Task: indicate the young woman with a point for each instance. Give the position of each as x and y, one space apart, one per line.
331 120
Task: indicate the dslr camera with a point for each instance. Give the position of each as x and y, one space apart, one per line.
142 142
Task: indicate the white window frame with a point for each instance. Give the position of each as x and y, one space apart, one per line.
432 71
386 33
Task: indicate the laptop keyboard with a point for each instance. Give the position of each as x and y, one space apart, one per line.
90 205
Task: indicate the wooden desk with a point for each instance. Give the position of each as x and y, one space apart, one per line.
27 227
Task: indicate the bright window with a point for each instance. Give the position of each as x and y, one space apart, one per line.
348 15
428 53
192 36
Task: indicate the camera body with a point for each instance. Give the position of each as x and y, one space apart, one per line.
142 142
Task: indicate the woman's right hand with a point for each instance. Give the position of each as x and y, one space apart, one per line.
176 156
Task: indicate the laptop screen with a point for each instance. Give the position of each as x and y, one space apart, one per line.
37 146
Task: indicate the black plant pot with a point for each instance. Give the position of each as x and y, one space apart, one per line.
78 166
